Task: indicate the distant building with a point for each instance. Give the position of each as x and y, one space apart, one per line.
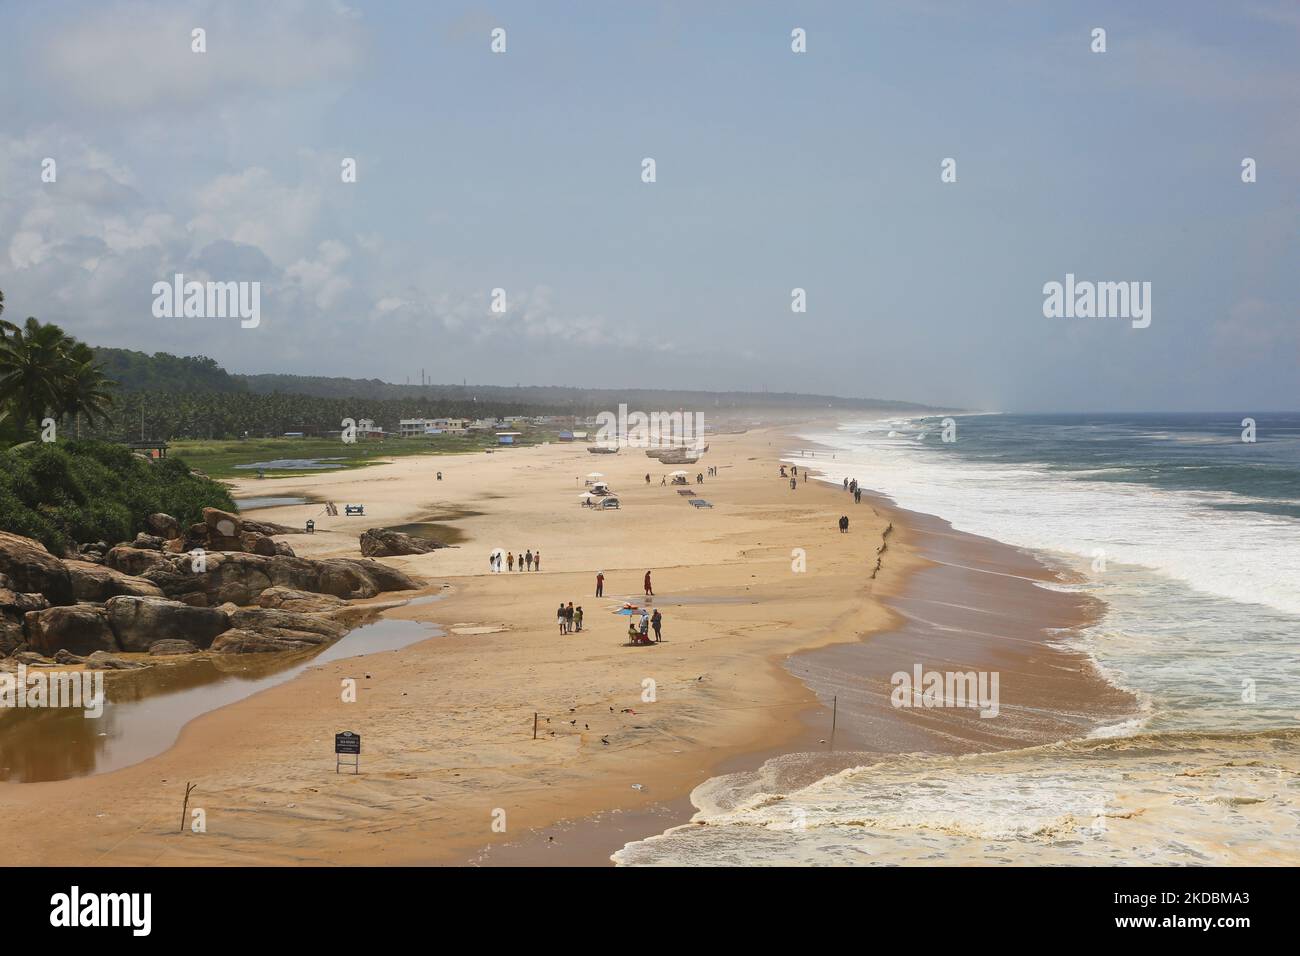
507 438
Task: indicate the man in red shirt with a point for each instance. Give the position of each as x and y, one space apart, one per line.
600 584
649 591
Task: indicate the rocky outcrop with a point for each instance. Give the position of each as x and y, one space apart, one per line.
222 530
32 569
131 560
163 526
384 543
172 645
140 622
257 631
148 542
287 599
104 661
97 582
78 628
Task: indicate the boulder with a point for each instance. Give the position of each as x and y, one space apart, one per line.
163 525
384 577
67 657
172 645
255 543
269 528
78 628
301 574
341 577
32 659
11 636
236 577
255 630
32 569
287 599
15 603
383 543
282 548
103 661
131 560
239 641
148 542
139 622
96 582
223 530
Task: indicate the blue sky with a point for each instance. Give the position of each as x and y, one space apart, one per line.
775 170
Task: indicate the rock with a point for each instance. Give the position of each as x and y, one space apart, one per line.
302 574
172 645
287 599
163 525
16 604
32 659
255 630
342 578
255 543
95 582
282 548
384 577
12 637
139 622
32 569
67 657
238 641
103 661
223 530
383 543
149 542
237 577
131 560
269 528
79 628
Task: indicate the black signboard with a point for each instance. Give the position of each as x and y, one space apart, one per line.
350 744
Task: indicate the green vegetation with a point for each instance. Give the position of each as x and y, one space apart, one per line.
65 493
46 373
162 372
219 459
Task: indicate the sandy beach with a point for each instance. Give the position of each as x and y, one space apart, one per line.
754 650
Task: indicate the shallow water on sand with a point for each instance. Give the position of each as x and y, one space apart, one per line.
145 709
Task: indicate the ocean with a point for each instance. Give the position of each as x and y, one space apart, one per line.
1191 538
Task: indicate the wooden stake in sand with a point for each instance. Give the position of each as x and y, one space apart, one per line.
185 807
534 725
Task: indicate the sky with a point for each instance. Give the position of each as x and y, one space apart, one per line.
775 170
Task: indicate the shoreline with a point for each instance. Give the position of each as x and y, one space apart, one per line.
456 750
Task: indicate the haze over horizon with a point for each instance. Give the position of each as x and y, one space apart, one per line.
775 170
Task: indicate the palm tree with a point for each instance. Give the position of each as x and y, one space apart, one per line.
86 389
33 367
43 370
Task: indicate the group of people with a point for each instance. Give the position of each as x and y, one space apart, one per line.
639 632
569 618
794 475
851 486
528 561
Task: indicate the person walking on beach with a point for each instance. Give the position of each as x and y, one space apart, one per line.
645 627
568 619
649 591
857 496
440 476
844 523
519 565
510 560
794 483
663 480
600 584
647 477
559 618
537 560
577 618
657 621
528 557
492 561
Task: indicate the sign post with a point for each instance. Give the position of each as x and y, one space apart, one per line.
347 743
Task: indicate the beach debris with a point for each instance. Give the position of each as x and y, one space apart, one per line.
637 786
605 741
386 543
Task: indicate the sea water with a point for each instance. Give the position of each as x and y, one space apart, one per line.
1191 538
